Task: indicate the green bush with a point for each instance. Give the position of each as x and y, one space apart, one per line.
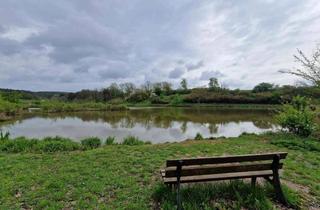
176 100
91 143
198 136
17 145
110 140
132 140
297 118
56 144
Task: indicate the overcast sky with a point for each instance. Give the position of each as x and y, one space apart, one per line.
76 44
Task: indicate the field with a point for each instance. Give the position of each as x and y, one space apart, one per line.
127 177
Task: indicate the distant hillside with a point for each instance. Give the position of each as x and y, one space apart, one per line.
25 94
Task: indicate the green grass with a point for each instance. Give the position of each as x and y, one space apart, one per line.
91 143
58 144
132 140
9 109
222 195
59 106
127 177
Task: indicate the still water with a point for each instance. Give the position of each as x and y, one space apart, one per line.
151 124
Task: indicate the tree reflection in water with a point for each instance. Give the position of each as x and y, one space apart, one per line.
149 122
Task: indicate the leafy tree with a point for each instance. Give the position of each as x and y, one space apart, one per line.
297 118
263 87
213 84
184 84
310 67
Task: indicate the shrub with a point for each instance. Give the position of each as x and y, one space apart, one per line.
176 100
132 140
91 143
198 136
56 144
110 140
297 118
17 145
138 96
4 136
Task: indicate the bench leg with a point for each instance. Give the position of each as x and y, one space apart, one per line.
277 187
253 181
179 202
276 181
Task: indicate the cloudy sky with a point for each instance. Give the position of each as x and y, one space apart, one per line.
76 44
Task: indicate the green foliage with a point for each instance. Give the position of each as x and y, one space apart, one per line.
4 135
176 100
132 140
296 118
184 84
138 96
47 145
110 140
91 143
213 84
59 106
56 144
198 136
296 143
220 196
158 100
263 87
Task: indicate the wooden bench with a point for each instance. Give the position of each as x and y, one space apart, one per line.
250 166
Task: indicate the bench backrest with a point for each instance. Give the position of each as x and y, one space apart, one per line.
227 164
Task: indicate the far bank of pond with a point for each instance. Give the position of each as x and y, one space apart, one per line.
155 124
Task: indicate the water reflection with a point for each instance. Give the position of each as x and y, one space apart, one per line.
154 124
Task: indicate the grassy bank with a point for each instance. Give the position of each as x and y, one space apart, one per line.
10 110
57 106
213 105
127 177
59 144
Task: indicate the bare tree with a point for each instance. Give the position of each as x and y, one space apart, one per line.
310 67
147 88
128 88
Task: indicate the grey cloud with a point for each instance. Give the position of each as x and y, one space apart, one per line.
208 74
91 43
176 73
195 66
106 74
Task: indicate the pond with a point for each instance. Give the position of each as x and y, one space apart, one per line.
157 125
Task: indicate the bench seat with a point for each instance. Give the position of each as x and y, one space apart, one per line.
218 177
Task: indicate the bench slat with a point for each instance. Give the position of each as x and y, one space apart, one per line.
217 177
226 159
203 170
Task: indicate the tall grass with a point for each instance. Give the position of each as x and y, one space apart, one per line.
132 140
110 140
222 195
91 143
57 144
46 145
4 135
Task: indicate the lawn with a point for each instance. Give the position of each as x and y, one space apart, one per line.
127 177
